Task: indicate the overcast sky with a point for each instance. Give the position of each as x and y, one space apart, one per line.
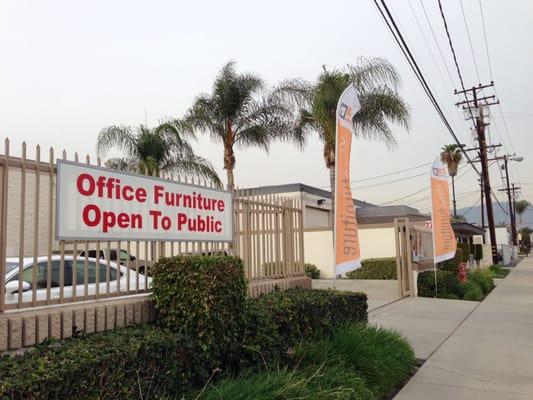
69 68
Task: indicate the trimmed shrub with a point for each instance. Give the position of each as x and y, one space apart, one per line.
312 271
277 321
452 264
138 362
446 282
472 291
375 268
483 279
205 322
202 298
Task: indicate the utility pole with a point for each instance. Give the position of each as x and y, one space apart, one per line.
482 208
508 189
492 146
475 106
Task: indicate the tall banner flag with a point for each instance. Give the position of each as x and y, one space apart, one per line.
444 242
346 238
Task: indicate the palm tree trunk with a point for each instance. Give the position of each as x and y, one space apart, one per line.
229 165
229 156
332 183
453 194
231 180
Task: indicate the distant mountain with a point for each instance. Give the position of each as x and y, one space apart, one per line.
473 215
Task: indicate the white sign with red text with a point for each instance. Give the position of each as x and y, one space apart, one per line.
103 204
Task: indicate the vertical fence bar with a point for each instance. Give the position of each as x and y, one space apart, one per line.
86 260
36 222
51 208
97 256
119 266
3 225
137 266
62 259
97 266
22 222
107 268
302 238
128 266
86 273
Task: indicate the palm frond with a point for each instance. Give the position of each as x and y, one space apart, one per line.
379 108
368 73
119 137
193 165
295 91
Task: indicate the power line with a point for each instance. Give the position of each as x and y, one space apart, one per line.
427 45
472 207
389 182
404 197
384 175
470 41
451 46
485 36
398 37
436 42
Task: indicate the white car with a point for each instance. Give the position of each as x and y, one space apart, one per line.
116 273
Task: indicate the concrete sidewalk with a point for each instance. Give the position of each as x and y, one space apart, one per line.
490 355
425 322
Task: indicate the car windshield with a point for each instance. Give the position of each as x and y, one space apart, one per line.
10 266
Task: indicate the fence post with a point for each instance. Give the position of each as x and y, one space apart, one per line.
3 224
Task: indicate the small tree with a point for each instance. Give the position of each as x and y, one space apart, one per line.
151 151
520 207
451 155
239 112
375 79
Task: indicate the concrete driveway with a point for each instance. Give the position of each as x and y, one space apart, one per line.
379 292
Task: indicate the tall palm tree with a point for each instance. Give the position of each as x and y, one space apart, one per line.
239 112
520 207
376 81
451 155
152 151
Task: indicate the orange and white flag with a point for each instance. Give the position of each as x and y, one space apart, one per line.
346 238
444 242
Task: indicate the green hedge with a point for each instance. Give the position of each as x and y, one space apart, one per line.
277 321
478 285
312 271
446 281
157 361
128 363
202 298
375 268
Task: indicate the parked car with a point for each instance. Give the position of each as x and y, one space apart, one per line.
116 273
122 257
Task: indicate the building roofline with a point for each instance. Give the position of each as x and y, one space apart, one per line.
300 187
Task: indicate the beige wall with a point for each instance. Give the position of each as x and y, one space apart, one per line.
374 242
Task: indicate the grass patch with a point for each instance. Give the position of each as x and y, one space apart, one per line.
355 362
498 272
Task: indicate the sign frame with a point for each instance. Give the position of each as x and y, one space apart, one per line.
62 237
